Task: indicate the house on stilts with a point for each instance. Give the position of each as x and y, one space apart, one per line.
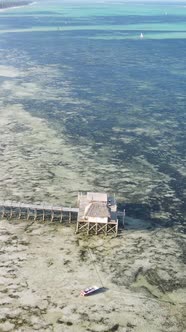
97 214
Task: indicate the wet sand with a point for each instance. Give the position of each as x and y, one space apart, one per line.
43 268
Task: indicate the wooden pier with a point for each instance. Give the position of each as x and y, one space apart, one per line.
37 211
97 213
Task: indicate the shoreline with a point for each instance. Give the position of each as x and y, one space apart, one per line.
20 5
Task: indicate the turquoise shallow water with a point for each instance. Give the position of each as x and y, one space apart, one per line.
116 101
159 18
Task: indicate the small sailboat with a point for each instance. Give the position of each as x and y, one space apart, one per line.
141 35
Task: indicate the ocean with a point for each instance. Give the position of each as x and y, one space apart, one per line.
86 104
92 98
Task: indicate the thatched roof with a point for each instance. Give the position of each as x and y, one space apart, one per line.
97 209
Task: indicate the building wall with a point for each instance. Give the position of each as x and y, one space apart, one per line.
97 197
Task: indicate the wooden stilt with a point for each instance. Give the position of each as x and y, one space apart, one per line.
61 217
19 216
123 218
117 228
70 217
105 229
82 225
35 214
92 227
11 212
88 228
43 214
28 214
52 215
77 227
96 228
3 213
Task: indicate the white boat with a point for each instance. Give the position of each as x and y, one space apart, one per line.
141 36
89 290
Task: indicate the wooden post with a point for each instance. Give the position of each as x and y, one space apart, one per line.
77 227
3 213
52 215
11 211
43 214
61 218
35 214
28 214
19 217
70 217
123 218
88 228
117 228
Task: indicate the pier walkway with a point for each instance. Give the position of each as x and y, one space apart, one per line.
42 212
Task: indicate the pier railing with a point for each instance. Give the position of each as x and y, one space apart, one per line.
42 212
